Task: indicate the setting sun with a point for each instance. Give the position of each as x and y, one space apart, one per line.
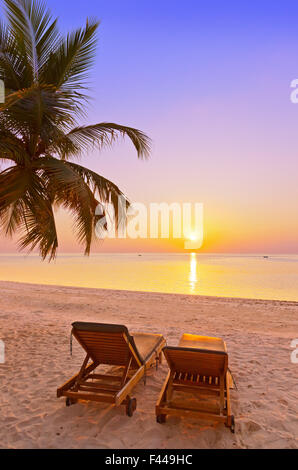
193 237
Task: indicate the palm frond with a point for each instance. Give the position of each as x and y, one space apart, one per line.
25 207
15 181
12 63
106 191
12 147
40 228
34 31
70 191
68 66
104 134
36 113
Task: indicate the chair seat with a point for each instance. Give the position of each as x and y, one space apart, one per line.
203 343
146 344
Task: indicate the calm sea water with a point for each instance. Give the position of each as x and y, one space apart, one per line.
248 276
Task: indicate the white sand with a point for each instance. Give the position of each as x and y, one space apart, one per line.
35 325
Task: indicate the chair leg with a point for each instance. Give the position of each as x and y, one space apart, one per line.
131 406
161 419
170 389
160 358
222 394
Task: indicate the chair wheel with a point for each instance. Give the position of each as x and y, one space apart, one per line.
131 407
70 401
233 424
161 419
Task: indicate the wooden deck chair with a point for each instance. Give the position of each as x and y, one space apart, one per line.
111 345
200 366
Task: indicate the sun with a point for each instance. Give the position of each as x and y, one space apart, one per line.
193 237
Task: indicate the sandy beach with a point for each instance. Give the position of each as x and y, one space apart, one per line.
35 324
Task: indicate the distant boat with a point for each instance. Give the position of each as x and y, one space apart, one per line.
266 257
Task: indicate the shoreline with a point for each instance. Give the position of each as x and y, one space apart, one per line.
206 297
35 324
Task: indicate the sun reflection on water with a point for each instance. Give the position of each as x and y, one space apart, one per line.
193 271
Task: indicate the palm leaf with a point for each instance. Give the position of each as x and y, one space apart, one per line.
40 228
106 191
25 206
69 65
11 147
12 63
84 138
70 191
33 30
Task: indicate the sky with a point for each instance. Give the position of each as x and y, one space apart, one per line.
209 82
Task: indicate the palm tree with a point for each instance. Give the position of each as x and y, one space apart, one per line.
45 81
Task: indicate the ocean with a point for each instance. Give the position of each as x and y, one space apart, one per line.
221 275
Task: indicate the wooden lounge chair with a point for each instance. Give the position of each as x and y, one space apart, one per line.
111 345
200 366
